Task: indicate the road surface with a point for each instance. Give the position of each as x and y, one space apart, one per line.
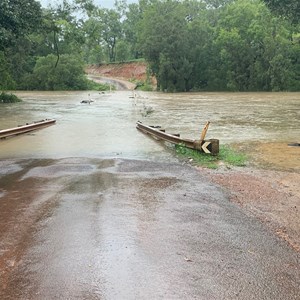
83 228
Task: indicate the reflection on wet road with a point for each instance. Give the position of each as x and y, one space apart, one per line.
122 229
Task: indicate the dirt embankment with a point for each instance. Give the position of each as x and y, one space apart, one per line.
130 71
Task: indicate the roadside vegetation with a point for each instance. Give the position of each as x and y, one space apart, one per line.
227 156
205 45
145 86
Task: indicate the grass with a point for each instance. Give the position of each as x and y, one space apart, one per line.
144 86
227 156
95 86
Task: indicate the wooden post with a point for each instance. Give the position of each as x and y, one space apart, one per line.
204 131
214 146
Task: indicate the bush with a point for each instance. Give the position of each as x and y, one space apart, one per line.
67 75
144 86
9 98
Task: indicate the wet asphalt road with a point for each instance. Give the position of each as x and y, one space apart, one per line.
77 228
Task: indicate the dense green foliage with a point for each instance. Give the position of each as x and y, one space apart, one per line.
190 45
9 98
67 75
240 46
286 8
17 18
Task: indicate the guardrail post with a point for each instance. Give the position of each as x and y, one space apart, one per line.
210 146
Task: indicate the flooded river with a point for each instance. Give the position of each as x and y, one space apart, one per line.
260 123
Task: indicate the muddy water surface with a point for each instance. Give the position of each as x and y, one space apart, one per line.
263 123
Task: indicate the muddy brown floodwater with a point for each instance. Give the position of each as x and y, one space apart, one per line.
262 123
90 208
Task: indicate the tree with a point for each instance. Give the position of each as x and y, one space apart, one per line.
163 40
252 44
287 8
6 81
17 19
93 47
217 3
103 30
130 27
189 44
111 30
67 75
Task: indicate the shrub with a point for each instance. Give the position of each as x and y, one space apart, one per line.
68 74
9 98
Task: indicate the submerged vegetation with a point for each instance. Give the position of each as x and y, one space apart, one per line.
9 98
227 156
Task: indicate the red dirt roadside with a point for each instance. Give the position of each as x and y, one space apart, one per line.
271 196
125 71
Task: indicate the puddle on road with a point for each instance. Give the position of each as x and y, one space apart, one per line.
264 123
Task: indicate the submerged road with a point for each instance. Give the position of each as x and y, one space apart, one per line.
77 228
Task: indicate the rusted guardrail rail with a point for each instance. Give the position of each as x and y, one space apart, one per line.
26 128
210 146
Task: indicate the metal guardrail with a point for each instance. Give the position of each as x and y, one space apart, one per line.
26 128
210 146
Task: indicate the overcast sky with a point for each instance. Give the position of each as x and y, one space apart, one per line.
102 3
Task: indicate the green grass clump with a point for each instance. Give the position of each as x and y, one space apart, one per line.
9 98
227 156
232 157
144 86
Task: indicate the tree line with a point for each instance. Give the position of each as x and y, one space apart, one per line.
189 45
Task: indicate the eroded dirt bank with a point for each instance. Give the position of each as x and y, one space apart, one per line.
122 75
79 228
126 71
